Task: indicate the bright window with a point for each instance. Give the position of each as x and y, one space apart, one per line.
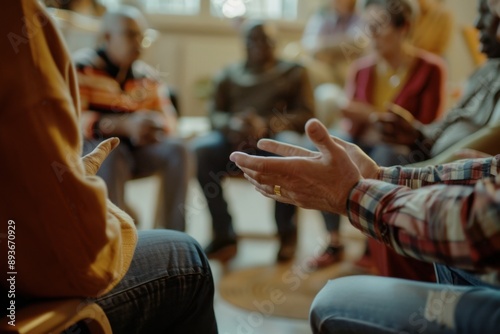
259 9
111 3
173 7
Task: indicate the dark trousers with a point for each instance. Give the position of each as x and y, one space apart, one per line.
212 153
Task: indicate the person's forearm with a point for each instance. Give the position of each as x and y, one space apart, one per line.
485 140
456 225
461 172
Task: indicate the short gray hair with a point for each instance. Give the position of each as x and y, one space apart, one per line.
116 15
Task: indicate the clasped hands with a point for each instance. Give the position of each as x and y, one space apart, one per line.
245 128
313 180
395 126
145 127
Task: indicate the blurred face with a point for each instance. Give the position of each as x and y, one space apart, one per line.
487 23
259 45
495 8
386 38
123 43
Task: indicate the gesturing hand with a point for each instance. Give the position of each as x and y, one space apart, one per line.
93 161
314 180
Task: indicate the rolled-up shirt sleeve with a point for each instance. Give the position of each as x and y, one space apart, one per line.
453 218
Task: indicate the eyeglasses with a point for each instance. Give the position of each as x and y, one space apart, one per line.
145 38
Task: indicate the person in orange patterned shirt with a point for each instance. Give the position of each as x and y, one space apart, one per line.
124 97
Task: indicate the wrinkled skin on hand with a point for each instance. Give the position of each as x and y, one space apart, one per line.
93 161
314 180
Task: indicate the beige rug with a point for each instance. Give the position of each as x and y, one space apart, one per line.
282 290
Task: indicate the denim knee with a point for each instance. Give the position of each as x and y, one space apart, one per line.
192 249
327 304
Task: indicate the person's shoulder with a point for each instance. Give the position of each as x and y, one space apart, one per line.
489 72
87 57
429 59
365 62
230 71
291 66
143 70
493 63
233 67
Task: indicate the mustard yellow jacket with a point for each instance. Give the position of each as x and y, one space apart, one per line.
69 240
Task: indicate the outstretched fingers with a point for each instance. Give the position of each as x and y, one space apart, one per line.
320 137
284 150
272 190
264 165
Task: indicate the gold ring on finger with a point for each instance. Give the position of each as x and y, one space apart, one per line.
277 190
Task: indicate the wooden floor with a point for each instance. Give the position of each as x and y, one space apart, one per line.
253 215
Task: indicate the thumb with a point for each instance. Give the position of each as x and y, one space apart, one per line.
92 161
401 112
320 137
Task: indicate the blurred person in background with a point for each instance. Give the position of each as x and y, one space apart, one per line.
433 27
330 33
258 98
124 97
394 73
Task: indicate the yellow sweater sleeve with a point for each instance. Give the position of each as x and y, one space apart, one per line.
69 240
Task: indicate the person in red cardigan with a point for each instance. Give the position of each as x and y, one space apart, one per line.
394 76
394 73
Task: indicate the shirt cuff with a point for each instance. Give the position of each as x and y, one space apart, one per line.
366 205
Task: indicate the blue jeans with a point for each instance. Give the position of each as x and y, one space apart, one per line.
168 288
371 304
212 154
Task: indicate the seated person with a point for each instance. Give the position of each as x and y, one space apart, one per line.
445 214
477 110
327 34
395 73
433 27
331 25
472 123
71 241
260 97
122 96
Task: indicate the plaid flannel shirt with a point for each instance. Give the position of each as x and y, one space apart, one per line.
453 217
